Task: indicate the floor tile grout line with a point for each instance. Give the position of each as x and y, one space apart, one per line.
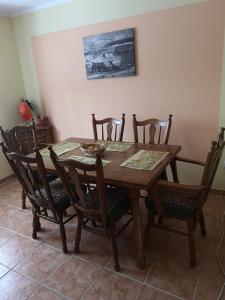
100 271
164 291
33 292
123 275
60 265
38 282
146 276
75 255
13 268
145 284
5 273
5 242
195 289
20 234
52 247
139 292
103 267
55 291
1 263
91 284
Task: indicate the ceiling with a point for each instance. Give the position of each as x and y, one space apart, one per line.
12 8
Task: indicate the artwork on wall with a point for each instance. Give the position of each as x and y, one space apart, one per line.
110 54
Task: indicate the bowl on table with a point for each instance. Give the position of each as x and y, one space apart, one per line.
93 149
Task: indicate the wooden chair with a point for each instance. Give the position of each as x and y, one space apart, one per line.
98 208
153 131
23 140
44 196
109 125
185 202
158 132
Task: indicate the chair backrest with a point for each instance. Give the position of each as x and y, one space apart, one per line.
89 200
212 161
21 139
32 175
153 130
109 128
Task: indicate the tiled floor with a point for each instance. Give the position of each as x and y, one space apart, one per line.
37 269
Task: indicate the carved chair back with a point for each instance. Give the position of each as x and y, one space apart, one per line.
32 175
154 131
88 199
212 161
111 129
21 139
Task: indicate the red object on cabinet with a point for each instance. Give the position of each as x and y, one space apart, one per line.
25 110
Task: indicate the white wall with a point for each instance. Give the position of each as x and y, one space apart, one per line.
11 83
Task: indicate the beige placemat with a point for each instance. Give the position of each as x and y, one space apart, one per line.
88 160
60 148
144 160
117 146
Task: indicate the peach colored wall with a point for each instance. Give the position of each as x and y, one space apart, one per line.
178 57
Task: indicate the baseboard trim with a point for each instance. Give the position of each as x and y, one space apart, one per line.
217 192
8 178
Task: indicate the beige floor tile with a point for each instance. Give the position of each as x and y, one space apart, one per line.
110 285
166 253
17 287
41 263
53 238
171 274
209 285
17 220
213 228
148 293
5 236
127 258
73 277
156 240
44 293
214 206
210 258
7 214
177 245
13 251
3 270
95 248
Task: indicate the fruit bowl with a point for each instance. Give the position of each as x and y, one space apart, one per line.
93 149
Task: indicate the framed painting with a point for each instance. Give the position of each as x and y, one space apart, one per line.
110 54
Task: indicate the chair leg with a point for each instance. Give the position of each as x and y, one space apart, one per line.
173 166
115 249
160 221
191 240
23 199
150 222
35 224
164 175
38 224
78 236
93 223
202 224
62 233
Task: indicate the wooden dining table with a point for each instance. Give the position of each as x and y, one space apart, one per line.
133 180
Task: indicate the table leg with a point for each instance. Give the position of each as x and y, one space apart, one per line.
137 227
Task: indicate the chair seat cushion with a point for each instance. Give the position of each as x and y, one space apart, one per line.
118 202
52 176
175 204
60 197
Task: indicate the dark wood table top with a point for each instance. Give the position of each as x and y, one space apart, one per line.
123 176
